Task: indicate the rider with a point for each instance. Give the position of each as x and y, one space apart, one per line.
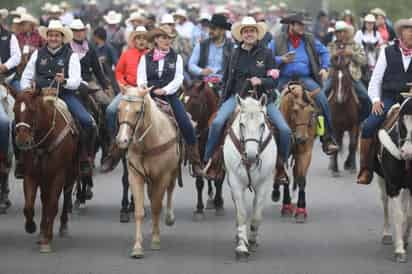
384 25
393 71
114 31
302 56
126 76
56 63
250 61
345 47
162 70
211 56
29 38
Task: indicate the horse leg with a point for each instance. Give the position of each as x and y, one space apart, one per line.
301 213
387 235
350 162
287 207
258 205
137 188
158 192
210 204
67 201
4 193
333 159
199 214
88 189
219 203
276 193
124 211
399 220
30 192
170 215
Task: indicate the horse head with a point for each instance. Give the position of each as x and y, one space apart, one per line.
341 79
131 114
298 108
252 125
201 102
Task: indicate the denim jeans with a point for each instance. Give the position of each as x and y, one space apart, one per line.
373 122
224 113
111 115
77 109
361 91
4 131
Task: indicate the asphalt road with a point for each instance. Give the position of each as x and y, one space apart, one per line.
342 235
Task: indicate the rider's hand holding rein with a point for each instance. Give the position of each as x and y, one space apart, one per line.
59 77
377 108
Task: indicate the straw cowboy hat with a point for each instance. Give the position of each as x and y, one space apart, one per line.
113 18
402 23
46 7
26 18
137 15
369 18
4 13
167 19
77 24
180 13
19 11
162 30
378 11
55 9
56 25
140 30
248 22
64 5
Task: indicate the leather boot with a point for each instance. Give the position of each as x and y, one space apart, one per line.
112 159
329 146
87 143
194 158
281 177
366 161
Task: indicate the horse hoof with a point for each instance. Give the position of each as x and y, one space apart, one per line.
45 248
287 210
301 215
401 258
64 232
198 216
30 227
242 255
169 220
137 253
155 245
387 240
335 173
275 195
124 217
89 195
220 212
210 204
253 246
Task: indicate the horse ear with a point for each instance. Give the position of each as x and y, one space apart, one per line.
239 100
263 100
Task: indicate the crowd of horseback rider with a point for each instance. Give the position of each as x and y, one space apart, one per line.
266 51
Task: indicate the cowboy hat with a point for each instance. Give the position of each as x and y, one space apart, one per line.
167 19
402 23
4 13
113 18
19 11
137 15
220 21
255 11
64 5
248 22
26 18
55 9
56 25
221 10
295 18
92 3
162 30
378 11
77 24
46 7
341 26
370 18
180 13
140 30
204 16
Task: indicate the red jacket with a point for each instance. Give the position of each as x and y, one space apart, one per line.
126 68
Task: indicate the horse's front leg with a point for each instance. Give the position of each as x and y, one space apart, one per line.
350 162
387 235
219 203
210 203
398 213
301 212
170 215
333 159
287 207
258 205
137 187
124 211
199 215
30 192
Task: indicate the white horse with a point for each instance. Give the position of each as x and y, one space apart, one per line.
249 154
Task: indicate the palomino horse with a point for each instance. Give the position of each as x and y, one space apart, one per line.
202 102
7 102
46 133
153 158
250 155
298 108
343 100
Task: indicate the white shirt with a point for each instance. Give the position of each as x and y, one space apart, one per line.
368 37
15 54
170 88
67 18
73 82
375 84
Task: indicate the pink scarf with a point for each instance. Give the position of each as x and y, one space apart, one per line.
407 52
80 49
159 54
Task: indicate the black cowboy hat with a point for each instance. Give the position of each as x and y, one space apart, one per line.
220 21
295 18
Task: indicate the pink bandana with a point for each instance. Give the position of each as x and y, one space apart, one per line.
159 55
274 73
80 49
407 52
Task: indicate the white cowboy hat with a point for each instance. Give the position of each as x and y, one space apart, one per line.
283 5
180 13
4 13
370 18
19 11
204 16
140 30
56 25
26 18
255 10
46 7
113 18
77 24
221 10
55 9
341 26
402 23
273 8
133 7
167 19
135 16
378 11
248 22
64 5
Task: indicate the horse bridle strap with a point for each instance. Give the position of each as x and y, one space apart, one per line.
157 150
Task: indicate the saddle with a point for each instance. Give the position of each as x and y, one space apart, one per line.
63 110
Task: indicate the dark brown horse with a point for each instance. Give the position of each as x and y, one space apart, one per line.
344 106
202 103
49 140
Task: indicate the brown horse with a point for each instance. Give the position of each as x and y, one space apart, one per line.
153 158
344 107
50 144
298 108
201 102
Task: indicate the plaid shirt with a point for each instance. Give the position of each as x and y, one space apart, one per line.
31 39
